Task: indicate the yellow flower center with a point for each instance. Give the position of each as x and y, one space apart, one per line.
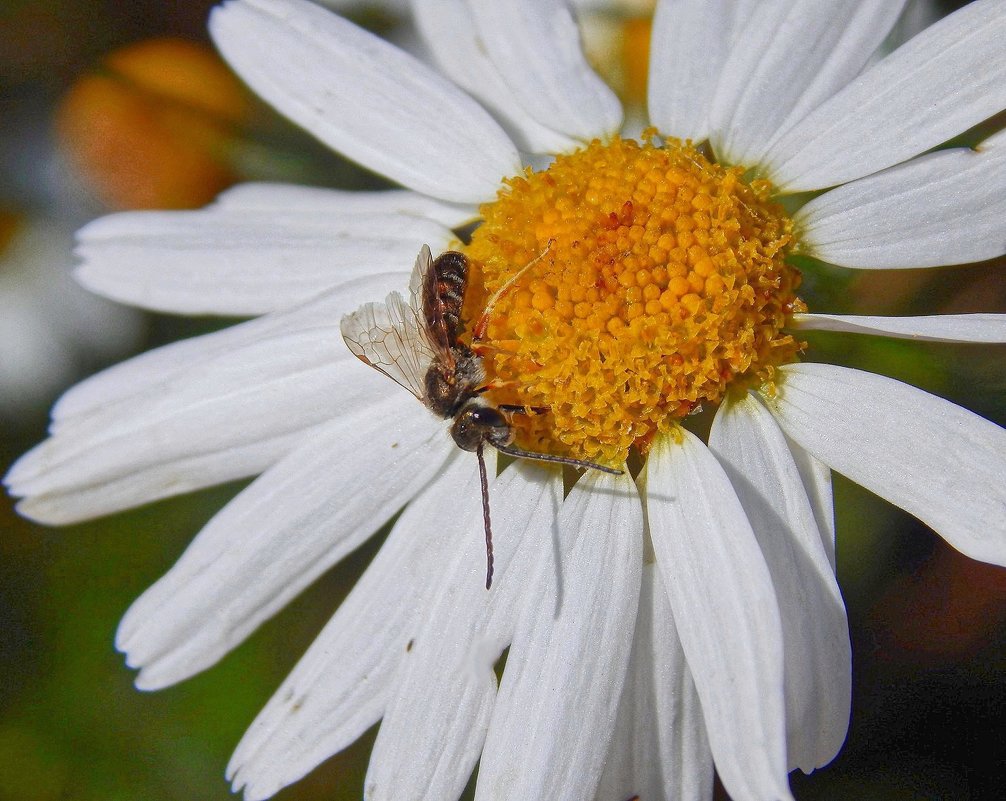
662 283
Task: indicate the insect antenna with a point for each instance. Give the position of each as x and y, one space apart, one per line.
480 327
485 514
510 450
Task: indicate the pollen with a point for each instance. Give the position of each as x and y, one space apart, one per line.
657 283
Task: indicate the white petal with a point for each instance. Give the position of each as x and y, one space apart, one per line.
818 673
660 751
343 683
448 29
294 522
535 45
294 197
366 98
935 328
205 432
947 79
432 734
792 55
941 463
555 712
243 261
915 18
816 477
726 613
689 45
947 207
157 370
211 418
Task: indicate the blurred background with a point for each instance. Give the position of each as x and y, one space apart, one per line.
107 106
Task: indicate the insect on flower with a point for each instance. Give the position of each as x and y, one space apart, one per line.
417 345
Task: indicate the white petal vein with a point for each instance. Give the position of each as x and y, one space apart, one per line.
365 98
432 734
818 673
344 682
535 45
945 80
725 611
570 651
934 328
947 207
290 525
243 261
932 458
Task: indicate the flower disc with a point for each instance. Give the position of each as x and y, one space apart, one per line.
662 283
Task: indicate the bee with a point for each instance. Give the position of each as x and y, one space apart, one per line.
417 345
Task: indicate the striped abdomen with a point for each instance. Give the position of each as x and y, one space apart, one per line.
444 295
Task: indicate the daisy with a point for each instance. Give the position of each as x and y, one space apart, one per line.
681 614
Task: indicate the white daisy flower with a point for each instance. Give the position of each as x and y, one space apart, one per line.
655 625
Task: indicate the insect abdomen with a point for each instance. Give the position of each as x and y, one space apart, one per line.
451 274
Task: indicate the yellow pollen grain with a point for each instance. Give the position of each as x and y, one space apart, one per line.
663 283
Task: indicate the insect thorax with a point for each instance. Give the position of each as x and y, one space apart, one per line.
449 388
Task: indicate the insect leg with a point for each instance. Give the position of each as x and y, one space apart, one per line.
516 408
495 384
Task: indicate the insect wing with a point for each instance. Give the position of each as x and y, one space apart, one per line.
390 337
417 281
427 306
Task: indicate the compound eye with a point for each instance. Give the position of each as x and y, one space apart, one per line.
478 424
487 416
494 426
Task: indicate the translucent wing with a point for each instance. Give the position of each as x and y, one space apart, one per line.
427 306
390 337
417 282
